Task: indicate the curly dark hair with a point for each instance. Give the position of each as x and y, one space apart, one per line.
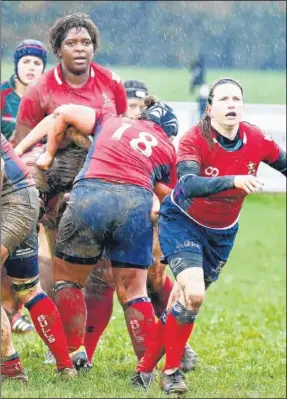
205 122
59 31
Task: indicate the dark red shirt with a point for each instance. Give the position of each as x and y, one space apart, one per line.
129 152
102 90
222 210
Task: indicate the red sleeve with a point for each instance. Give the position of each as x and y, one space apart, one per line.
270 149
162 189
121 99
190 147
30 111
120 94
173 176
100 116
172 173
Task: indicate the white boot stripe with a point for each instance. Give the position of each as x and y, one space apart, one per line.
21 324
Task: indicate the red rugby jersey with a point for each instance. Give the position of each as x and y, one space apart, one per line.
102 90
130 152
222 210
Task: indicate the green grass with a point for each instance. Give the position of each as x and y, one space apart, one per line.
240 333
260 87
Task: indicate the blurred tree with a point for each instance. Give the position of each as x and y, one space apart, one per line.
238 34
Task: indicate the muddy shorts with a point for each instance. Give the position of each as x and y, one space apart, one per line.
106 216
19 216
182 238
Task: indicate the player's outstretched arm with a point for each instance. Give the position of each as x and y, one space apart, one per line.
196 186
81 117
280 164
78 116
193 185
41 130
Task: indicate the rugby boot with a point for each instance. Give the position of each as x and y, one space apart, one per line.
68 373
188 360
142 379
173 383
80 359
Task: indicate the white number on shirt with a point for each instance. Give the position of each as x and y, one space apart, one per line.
147 139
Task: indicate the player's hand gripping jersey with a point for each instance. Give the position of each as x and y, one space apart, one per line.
222 210
129 152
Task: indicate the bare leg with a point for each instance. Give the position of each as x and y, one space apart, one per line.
7 346
45 262
11 367
8 297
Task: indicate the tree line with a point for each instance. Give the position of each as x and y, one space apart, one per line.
230 34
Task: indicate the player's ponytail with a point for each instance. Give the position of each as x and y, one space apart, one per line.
205 126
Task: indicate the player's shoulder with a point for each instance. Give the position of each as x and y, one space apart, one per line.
255 131
166 145
249 127
45 82
193 134
105 73
148 127
5 85
194 131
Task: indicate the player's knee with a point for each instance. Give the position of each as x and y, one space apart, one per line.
194 300
26 289
59 285
189 274
183 314
193 288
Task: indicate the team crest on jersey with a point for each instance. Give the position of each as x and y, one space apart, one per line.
251 168
106 99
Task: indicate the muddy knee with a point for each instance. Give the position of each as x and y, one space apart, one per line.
26 289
